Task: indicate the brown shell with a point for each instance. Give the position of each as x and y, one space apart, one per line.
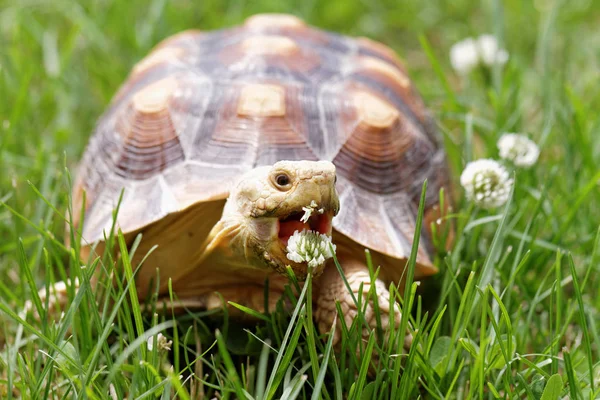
205 106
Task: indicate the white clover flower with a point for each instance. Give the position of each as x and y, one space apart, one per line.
161 343
467 54
463 56
486 182
489 51
310 247
518 149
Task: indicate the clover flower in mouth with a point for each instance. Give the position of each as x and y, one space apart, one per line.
487 183
308 210
311 247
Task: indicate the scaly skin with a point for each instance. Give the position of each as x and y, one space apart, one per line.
331 289
250 222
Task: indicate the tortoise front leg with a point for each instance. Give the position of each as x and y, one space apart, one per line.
331 289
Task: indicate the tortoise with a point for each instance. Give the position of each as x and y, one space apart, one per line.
218 139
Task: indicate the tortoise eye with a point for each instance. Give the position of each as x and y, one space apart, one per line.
282 181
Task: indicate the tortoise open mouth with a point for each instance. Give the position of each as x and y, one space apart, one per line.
317 222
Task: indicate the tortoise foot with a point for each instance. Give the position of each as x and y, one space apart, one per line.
333 289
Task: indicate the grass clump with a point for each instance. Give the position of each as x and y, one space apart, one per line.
513 312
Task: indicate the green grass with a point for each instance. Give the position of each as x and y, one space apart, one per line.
513 313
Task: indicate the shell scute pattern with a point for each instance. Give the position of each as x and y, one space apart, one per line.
205 106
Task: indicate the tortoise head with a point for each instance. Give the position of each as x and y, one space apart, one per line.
265 208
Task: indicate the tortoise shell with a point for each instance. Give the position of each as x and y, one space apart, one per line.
203 107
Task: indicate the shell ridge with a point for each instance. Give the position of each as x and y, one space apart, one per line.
400 243
193 136
343 105
327 154
168 202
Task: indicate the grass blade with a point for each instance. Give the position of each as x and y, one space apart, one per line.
231 371
323 369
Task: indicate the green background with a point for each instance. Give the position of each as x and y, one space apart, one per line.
61 61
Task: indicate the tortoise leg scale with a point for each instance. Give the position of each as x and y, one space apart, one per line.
331 288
